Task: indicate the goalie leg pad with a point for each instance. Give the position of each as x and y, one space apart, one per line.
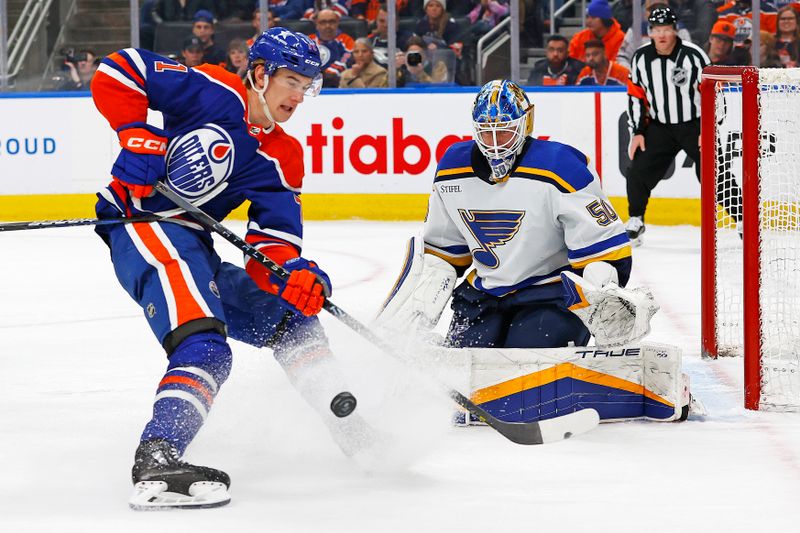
421 292
621 383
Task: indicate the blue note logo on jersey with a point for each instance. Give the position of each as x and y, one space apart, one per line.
200 160
491 229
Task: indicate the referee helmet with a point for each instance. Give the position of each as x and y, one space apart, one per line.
662 16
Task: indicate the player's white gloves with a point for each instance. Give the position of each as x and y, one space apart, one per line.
420 294
613 314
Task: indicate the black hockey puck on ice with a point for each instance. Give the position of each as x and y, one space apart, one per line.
343 404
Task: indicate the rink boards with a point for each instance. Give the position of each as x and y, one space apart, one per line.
368 154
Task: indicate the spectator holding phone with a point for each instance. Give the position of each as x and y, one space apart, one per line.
81 67
416 66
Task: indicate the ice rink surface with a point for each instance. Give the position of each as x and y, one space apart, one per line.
79 369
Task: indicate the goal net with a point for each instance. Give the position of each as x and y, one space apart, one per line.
751 228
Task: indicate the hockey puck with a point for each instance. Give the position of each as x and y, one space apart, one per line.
343 404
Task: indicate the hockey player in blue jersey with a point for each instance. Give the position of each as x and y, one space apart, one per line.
548 253
221 144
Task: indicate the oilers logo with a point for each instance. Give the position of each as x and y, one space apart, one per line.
200 160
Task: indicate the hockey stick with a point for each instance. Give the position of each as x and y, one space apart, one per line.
541 432
70 222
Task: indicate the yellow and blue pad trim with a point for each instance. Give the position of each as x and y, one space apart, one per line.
407 262
574 298
565 388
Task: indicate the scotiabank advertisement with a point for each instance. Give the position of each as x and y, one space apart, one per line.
366 142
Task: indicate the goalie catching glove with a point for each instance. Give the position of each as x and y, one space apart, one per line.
613 314
420 294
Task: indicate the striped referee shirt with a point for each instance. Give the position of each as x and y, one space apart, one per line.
665 89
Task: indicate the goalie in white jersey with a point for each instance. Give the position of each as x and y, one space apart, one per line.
518 213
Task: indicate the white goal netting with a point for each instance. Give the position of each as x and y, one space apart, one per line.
779 233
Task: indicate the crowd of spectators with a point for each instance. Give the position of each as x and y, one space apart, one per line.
440 35
436 39
600 54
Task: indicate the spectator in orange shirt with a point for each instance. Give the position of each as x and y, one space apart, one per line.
599 25
557 68
599 70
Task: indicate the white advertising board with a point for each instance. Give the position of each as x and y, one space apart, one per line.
53 146
366 142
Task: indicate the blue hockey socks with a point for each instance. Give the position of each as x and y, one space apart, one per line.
197 368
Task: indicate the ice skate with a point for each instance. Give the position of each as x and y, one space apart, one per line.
635 228
162 481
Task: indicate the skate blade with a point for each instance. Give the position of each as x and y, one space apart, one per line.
154 496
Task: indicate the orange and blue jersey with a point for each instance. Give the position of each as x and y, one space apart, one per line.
741 16
340 48
616 74
214 156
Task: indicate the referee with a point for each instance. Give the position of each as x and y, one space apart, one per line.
663 111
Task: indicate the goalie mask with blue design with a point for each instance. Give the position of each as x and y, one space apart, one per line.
502 118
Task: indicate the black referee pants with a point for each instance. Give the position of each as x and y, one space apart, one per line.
662 142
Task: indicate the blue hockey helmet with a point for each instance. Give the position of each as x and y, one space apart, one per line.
502 118
282 48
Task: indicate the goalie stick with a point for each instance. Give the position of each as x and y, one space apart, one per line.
70 222
541 432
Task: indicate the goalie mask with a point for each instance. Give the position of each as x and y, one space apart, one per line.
502 118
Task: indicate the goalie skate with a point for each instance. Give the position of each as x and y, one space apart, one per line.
162 481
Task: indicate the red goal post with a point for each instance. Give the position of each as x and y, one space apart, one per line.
750 228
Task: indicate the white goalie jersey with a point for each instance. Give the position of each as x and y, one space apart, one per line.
550 215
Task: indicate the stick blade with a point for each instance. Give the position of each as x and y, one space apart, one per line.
547 431
564 427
